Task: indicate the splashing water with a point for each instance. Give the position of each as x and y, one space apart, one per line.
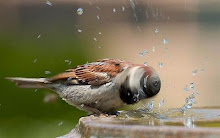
133 8
153 49
79 30
161 103
114 10
47 72
192 86
49 3
35 60
189 122
38 36
122 8
143 53
165 41
79 11
145 63
194 72
189 102
150 105
160 64
186 89
60 124
156 30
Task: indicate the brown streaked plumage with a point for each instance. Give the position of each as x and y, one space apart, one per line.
101 86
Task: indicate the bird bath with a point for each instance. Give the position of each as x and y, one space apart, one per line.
196 123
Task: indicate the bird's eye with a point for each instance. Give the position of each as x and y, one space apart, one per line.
156 83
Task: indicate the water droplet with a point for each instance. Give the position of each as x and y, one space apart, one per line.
47 72
194 72
35 60
114 10
160 64
60 124
123 8
153 50
145 63
98 17
189 102
165 41
96 102
150 105
156 30
82 105
185 89
191 86
143 53
95 39
80 11
161 103
100 33
48 3
38 36
79 30
35 90
67 61
98 8
189 122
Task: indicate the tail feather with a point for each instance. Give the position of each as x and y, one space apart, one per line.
29 82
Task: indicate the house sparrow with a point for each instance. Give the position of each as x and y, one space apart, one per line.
100 87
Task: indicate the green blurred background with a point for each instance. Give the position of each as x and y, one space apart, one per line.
36 37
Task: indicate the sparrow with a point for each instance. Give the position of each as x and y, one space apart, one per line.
100 87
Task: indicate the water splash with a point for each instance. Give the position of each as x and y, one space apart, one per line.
114 10
60 124
189 122
161 103
133 8
38 36
98 17
189 102
95 39
153 49
185 89
143 53
49 3
79 11
47 72
192 86
79 30
145 63
156 30
150 105
165 41
122 8
35 60
160 64
194 72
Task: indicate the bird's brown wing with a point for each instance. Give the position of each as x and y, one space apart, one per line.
95 73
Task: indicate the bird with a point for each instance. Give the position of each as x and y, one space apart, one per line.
100 87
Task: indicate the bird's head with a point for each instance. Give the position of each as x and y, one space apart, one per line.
141 82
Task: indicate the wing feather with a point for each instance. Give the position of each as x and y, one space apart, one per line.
95 73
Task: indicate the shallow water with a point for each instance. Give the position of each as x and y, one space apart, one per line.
173 117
